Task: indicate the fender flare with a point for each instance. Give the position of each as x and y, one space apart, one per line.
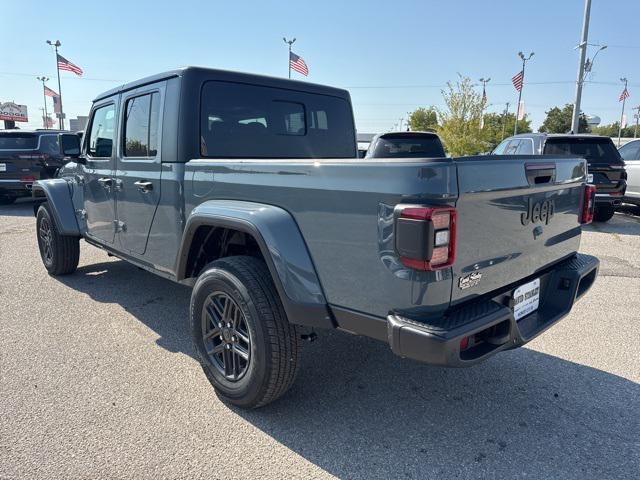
58 194
282 247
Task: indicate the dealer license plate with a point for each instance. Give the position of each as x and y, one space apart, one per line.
590 178
526 299
3 167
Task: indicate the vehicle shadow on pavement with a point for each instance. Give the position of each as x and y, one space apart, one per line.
358 411
623 223
160 304
22 208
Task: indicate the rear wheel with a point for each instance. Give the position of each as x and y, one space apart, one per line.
60 253
603 214
247 348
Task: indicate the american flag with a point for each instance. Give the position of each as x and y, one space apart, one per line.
624 95
50 93
64 64
297 63
517 80
56 105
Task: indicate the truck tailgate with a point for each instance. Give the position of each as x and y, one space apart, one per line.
516 216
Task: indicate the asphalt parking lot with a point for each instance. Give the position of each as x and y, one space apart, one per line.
98 380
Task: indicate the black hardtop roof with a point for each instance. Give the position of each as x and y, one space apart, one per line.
203 73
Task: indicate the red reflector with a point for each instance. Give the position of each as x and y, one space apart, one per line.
440 255
616 194
588 204
28 179
464 343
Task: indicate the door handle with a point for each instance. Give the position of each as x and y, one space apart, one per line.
106 182
144 187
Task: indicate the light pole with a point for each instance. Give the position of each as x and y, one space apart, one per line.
484 99
56 44
289 42
637 117
624 100
524 63
44 79
583 55
504 119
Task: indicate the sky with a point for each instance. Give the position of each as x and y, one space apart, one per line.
393 56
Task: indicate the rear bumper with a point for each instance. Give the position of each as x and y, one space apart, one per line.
490 323
603 199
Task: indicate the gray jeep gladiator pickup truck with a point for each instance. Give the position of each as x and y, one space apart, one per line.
248 188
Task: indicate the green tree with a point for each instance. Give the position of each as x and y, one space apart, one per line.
423 119
611 130
559 121
460 120
493 131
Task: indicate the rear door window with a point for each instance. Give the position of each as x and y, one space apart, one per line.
141 126
102 131
49 144
525 147
512 148
249 121
630 151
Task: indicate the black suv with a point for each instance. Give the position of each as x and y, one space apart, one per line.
27 156
406 145
606 167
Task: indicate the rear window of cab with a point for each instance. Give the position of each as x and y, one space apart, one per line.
250 121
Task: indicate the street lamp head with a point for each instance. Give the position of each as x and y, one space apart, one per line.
603 47
532 54
521 55
55 44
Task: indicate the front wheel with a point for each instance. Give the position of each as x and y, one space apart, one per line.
60 253
603 214
247 348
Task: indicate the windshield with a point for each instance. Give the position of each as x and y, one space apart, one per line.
427 146
18 141
598 150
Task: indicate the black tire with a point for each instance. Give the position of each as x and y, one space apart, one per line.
7 200
603 214
273 345
59 253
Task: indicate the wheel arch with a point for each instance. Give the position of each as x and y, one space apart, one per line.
278 241
57 193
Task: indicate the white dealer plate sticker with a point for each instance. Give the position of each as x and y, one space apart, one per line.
3 167
590 178
526 299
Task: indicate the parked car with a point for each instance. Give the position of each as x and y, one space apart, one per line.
27 156
606 168
405 145
630 154
248 189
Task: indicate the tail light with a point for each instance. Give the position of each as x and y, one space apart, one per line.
425 237
588 204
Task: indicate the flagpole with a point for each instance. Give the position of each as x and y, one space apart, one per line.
524 62
61 120
504 120
624 100
290 42
43 79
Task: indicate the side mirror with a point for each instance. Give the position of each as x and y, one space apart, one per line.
70 145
